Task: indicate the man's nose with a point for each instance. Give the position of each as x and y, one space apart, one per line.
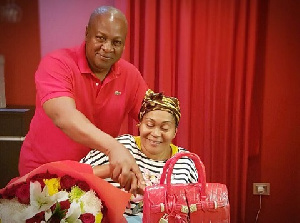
107 46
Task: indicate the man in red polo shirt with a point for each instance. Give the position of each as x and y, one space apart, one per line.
83 95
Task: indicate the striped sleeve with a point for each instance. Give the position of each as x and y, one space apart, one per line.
95 158
184 170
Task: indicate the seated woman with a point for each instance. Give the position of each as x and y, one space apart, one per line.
159 118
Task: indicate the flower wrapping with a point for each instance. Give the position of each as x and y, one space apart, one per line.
97 192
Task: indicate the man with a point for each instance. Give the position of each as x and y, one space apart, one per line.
83 94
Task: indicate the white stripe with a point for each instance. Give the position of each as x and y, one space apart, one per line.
12 138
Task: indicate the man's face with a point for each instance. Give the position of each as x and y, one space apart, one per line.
105 42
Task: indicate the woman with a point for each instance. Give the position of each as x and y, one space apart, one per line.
158 122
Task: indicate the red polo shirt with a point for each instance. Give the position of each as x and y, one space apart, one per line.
66 73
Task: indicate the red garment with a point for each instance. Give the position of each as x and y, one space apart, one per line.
66 73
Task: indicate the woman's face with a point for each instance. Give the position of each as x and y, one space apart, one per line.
157 130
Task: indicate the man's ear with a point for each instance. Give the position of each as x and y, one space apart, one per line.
86 31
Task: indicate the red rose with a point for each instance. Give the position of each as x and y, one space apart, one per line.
9 193
87 218
53 207
65 205
40 181
23 193
36 177
42 176
59 211
67 182
83 185
37 218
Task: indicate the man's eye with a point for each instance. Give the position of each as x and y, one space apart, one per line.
149 125
100 38
117 43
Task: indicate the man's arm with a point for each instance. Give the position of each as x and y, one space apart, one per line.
73 123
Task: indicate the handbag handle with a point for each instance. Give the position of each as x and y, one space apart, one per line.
168 169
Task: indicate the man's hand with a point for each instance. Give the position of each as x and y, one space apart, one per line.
124 169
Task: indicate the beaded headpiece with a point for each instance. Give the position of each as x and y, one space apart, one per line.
158 101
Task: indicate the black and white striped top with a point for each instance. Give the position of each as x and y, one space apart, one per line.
184 170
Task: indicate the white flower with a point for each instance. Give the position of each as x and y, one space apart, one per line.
73 213
91 203
8 209
40 200
48 214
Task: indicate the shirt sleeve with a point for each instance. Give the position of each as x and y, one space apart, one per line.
193 173
95 158
187 167
53 78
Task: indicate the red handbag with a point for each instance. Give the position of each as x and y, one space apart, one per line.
166 202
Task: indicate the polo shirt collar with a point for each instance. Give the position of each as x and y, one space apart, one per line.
84 66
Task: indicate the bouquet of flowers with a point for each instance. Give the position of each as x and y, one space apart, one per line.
64 191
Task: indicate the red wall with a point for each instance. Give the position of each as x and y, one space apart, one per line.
20 45
281 120
279 160
67 27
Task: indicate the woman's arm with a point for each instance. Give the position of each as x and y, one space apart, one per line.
102 171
